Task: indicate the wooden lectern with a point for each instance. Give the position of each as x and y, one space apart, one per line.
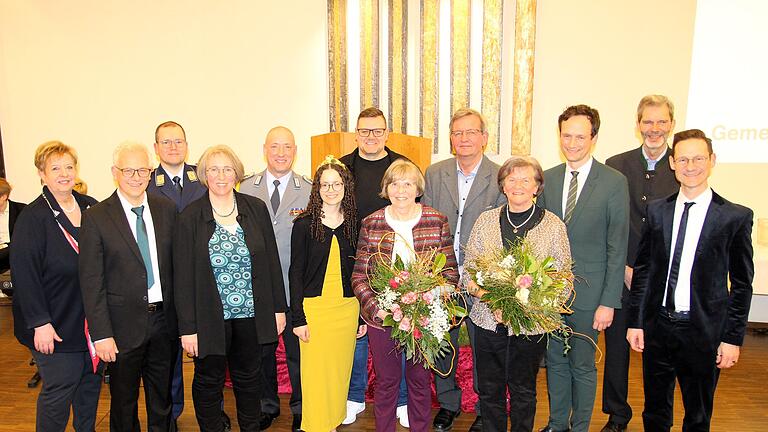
417 149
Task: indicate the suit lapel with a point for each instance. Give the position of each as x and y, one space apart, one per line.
450 181
667 220
554 197
478 187
118 216
713 214
189 191
167 188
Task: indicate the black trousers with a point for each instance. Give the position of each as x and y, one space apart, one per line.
270 402
152 362
68 382
507 363
243 356
669 355
616 369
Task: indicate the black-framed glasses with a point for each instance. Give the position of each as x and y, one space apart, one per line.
335 186
130 172
170 142
378 133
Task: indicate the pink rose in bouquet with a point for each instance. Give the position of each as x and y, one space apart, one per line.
427 297
409 298
405 324
524 281
424 321
394 283
397 314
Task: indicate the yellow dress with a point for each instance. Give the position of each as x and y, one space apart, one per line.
326 360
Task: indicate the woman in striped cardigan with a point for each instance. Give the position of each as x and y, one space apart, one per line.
418 229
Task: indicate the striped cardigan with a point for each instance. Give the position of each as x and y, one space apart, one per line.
431 232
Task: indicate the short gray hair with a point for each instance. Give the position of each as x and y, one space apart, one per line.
522 162
130 147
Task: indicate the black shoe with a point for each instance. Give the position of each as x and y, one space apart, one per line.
477 425
296 425
613 427
226 421
266 419
547 428
444 419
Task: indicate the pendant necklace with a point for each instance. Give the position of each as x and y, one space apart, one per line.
234 206
517 227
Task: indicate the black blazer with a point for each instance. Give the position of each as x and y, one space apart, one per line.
724 252
112 272
197 297
14 208
44 274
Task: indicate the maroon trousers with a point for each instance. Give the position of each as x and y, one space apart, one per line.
388 365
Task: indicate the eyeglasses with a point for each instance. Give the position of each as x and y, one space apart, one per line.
378 133
469 133
524 181
579 138
215 171
169 142
335 186
129 172
697 160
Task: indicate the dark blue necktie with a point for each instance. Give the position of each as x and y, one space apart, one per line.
674 271
143 240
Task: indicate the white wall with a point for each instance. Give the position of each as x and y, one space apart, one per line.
93 74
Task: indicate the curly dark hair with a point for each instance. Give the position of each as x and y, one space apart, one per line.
314 208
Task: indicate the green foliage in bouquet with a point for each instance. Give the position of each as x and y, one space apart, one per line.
529 293
421 310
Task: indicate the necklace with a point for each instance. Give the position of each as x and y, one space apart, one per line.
74 206
517 227
234 207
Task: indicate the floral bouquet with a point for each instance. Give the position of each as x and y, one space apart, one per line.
524 292
421 310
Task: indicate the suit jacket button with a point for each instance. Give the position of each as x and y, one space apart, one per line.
274 223
145 298
643 198
643 219
647 176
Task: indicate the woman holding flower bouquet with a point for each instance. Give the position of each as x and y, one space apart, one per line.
518 245
325 310
400 236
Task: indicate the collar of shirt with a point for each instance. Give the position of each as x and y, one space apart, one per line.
283 183
471 174
650 163
127 206
179 174
582 180
702 200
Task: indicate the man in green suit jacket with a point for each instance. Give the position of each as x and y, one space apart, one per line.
593 201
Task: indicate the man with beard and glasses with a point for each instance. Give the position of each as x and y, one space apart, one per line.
649 177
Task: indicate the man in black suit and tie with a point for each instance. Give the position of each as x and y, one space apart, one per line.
649 177
177 181
126 277
682 315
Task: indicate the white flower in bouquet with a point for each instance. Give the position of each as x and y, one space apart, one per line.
387 299
479 278
438 320
508 262
522 295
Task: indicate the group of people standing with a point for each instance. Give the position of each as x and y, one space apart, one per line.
218 264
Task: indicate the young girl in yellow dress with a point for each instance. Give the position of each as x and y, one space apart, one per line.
324 308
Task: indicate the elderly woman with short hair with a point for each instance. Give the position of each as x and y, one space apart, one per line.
229 290
505 361
418 229
47 304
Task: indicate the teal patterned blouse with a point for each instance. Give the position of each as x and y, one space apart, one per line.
231 263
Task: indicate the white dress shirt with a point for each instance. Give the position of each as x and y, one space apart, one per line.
465 182
696 215
581 179
179 174
283 184
155 292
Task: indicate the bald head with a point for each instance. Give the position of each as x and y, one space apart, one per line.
280 150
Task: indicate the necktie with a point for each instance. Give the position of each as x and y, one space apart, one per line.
143 240
674 270
177 184
275 198
570 202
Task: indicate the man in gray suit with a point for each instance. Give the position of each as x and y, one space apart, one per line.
461 188
593 201
286 195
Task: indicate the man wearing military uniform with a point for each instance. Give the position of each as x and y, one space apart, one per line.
649 177
286 195
177 181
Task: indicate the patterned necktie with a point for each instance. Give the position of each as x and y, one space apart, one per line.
177 184
570 202
674 270
143 240
275 198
